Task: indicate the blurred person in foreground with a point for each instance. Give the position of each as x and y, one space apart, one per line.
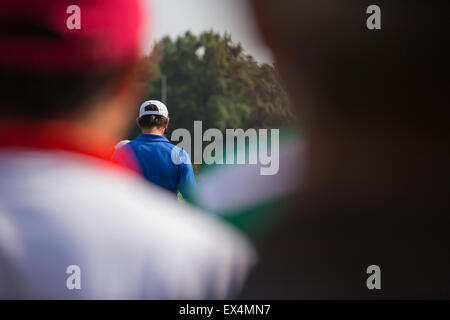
376 178
369 183
159 161
64 95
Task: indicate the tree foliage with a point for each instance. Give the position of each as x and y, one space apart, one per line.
210 78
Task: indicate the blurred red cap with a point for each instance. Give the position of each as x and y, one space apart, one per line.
34 34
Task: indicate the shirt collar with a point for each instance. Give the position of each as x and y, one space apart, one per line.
149 137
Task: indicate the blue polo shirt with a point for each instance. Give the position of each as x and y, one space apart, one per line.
162 163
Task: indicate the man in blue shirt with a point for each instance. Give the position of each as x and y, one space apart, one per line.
158 160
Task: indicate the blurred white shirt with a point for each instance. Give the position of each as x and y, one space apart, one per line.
130 240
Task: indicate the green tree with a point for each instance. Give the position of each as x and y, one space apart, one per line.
210 78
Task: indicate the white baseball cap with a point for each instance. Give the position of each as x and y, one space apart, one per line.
162 109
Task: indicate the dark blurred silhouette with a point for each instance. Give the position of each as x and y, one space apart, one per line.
374 106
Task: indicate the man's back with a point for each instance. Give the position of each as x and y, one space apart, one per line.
160 162
130 240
